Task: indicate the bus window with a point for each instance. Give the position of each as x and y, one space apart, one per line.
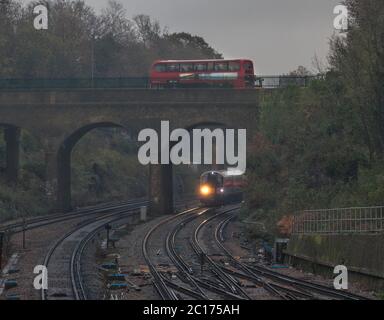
186 67
200 66
248 66
173 67
160 67
221 66
233 66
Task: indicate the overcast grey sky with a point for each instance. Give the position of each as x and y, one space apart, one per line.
278 35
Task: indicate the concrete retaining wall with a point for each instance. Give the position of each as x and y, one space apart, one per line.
363 255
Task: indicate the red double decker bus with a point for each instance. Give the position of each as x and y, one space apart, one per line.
238 73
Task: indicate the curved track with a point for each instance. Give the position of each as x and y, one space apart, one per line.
286 286
63 260
164 287
183 284
38 222
230 283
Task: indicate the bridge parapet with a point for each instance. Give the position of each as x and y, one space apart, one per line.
171 96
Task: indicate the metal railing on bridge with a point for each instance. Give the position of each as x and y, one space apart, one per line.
340 220
268 82
272 82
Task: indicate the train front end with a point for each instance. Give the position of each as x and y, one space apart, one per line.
221 187
210 188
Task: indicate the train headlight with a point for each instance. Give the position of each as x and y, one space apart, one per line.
205 190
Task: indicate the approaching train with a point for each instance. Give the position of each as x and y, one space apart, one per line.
202 73
221 187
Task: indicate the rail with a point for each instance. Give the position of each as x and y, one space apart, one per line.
339 220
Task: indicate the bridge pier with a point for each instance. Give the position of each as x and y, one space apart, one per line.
64 195
12 140
161 190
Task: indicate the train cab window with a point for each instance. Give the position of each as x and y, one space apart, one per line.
221 66
160 67
186 67
213 179
233 66
200 67
173 67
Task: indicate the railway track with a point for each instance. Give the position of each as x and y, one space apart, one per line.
230 276
63 260
185 285
165 287
246 273
230 283
209 290
222 285
188 286
287 286
39 222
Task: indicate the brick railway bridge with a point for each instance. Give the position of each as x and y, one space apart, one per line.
61 117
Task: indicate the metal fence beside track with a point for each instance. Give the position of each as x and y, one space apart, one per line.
340 220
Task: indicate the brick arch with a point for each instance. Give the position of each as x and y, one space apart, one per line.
64 153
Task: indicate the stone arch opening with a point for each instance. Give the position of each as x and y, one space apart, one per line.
22 172
65 158
161 177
